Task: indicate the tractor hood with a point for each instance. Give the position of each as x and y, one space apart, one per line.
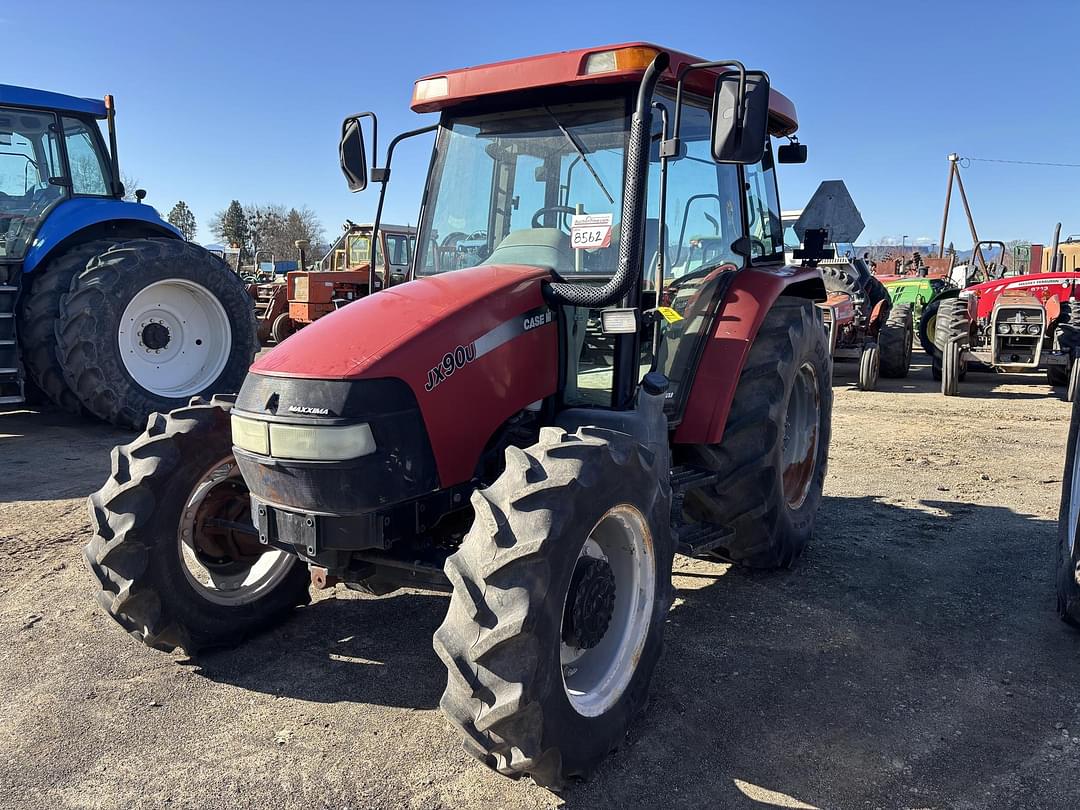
426 318
1041 286
474 346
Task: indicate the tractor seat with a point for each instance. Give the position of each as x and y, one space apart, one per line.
537 247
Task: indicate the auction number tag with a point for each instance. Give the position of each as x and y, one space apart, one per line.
669 315
590 231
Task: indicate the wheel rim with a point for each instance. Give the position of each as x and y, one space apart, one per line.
224 565
931 326
1074 503
174 338
594 677
801 436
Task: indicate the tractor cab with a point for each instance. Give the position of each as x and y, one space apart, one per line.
47 156
530 170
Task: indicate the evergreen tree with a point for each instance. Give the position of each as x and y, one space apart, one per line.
184 220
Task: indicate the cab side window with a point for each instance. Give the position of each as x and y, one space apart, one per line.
763 210
88 172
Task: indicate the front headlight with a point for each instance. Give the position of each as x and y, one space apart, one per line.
302 442
1033 329
1004 328
317 443
250 434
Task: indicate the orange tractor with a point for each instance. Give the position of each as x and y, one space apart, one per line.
343 276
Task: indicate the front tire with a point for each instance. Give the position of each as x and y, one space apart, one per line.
560 593
150 323
164 571
774 452
951 369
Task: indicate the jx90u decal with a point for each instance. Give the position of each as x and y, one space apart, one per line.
451 362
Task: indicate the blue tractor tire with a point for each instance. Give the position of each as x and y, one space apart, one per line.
38 313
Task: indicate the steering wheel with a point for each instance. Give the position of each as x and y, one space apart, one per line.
555 209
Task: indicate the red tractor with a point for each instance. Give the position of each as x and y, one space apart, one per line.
453 433
1016 323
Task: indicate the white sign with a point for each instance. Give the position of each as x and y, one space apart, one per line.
590 231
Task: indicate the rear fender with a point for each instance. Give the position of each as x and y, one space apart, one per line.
747 302
85 218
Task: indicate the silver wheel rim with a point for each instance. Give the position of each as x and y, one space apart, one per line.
174 338
801 436
594 679
228 583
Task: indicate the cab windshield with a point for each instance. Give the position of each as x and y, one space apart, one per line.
33 179
507 187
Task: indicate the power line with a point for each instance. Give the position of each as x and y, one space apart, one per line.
1024 162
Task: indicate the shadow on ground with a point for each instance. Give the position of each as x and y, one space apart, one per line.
903 652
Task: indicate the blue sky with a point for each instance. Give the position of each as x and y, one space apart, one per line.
219 101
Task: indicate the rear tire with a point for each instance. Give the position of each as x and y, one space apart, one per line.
864 287
894 342
1067 574
175 475
953 324
770 503
507 641
38 315
110 310
927 323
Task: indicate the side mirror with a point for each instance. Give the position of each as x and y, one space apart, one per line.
791 153
740 119
353 156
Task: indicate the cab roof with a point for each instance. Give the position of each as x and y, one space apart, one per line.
44 99
627 61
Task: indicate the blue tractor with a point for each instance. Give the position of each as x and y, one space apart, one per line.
104 308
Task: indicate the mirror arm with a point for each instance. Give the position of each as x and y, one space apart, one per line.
670 147
374 130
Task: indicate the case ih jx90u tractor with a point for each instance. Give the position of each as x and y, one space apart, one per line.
103 307
453 431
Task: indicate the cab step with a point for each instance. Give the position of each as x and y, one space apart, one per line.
12 386
693 539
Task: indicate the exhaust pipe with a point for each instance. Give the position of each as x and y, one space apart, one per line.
633 219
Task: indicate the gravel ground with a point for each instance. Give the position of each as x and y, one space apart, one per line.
911 660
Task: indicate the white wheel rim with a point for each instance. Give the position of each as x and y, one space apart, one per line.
174 338
234 584
594 679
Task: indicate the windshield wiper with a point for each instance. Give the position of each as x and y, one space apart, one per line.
581 153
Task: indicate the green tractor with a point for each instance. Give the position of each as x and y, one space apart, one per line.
924 295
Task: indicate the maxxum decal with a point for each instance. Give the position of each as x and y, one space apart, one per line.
460 356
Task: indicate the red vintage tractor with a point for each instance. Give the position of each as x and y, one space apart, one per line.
452 432
1016 323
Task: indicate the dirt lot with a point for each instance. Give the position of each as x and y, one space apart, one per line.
912 659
